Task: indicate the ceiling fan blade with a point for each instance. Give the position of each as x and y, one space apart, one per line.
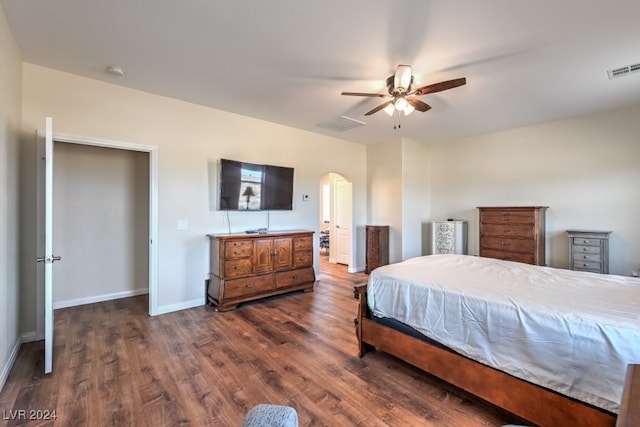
378 108
418 105
438 87
372 95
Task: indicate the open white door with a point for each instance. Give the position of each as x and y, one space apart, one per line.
343 221
48 259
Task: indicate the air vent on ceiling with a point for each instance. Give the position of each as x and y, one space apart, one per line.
340 124
623 71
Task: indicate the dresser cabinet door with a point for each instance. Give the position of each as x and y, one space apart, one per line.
282 254
262 255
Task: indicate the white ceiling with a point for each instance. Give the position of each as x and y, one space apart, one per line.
287 61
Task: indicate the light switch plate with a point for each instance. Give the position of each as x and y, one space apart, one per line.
305 197
183 224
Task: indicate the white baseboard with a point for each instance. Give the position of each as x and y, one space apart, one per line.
30 337
180 306
6 369
355 270
99 298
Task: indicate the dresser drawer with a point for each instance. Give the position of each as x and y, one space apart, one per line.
585 256
237 267
248 286
302 259
510 245
238 249
302 243
590 250
586 242
507 230
294 277
586 265
507 217
507 256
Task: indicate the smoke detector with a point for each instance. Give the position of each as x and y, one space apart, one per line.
115 71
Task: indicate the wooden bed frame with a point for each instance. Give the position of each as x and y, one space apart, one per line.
526 400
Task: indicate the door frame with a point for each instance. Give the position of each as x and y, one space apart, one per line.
152 150
330 179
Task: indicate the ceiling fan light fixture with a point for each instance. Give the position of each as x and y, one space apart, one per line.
402 79
408 110
401 104
389 109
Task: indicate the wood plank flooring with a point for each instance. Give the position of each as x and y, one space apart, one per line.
116 366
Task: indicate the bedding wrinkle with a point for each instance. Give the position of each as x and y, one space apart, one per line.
569 331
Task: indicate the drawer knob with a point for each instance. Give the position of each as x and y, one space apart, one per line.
296 277
506 230
585 256
237 267
506 244
250 285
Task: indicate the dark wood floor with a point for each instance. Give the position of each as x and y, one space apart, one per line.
116 366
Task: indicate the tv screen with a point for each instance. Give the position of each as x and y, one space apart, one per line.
254 187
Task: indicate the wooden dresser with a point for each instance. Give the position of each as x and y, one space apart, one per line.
513 233
589 251
246 267
377 247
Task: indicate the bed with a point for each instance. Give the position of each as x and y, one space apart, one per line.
549 345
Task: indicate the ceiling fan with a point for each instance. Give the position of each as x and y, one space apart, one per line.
403 98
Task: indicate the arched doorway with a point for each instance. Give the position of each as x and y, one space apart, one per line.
336 219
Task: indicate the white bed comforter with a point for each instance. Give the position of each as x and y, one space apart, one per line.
572 332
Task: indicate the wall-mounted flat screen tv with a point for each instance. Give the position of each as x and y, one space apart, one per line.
255 187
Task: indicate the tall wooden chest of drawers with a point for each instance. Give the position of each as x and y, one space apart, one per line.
377 247
589 251
246 267
513 233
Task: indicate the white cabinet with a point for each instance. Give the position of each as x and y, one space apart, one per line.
449 237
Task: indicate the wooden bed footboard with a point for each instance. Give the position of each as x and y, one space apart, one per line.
526 400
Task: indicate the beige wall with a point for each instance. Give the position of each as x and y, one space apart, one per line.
384 175
10 110
586 170
416 199
399 195
188 137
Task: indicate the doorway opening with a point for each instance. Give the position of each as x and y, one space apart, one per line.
149 155
100 223
336 220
